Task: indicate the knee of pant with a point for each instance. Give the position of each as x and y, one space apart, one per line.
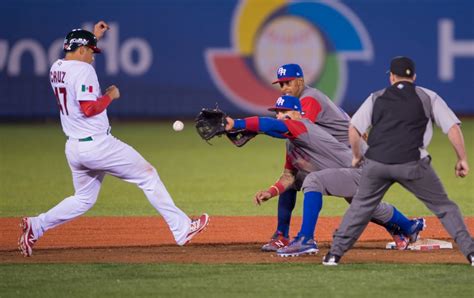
312 183
86 202
451 208
150 179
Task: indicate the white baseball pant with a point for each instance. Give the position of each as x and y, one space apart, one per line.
89 162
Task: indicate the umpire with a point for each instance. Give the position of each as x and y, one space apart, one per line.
400 118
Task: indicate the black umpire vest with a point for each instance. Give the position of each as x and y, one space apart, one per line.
398 125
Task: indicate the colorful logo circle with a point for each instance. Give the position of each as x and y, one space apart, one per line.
321 36
291 37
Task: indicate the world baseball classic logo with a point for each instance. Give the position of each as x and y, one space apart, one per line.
321 36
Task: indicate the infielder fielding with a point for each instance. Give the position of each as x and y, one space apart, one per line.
318 108
310 149
400 118
92 152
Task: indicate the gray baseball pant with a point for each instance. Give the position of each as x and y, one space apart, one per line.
343 182
419 178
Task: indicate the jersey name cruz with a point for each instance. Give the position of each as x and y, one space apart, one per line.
57 76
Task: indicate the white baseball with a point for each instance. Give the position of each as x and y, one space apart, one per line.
178 125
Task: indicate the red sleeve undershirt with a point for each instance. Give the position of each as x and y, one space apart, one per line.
252 123
311 108
92 108
296 128
288 163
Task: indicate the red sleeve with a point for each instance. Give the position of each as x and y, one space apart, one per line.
311 108
289 164
295 127
251 123
92 108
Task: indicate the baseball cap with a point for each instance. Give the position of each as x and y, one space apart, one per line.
80 37
286 103
402 66
288 72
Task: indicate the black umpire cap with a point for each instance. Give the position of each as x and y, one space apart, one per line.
402 66
80 37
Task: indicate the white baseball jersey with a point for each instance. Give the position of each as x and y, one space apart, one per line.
90 159
74 81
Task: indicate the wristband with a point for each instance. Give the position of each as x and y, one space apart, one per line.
276 189
273 190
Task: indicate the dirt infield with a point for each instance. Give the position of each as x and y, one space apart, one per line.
226 240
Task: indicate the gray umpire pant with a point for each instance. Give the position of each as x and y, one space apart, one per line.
419 178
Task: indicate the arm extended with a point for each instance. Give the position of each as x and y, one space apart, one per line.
269 126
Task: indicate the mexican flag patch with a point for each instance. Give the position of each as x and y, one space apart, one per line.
87 88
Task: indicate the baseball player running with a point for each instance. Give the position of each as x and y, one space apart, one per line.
318 108
92 152
400 117
325 162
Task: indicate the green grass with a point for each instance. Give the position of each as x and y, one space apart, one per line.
219 179
265 280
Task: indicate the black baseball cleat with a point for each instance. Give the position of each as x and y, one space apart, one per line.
470 258
331 260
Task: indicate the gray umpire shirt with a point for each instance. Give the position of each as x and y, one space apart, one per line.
331 118
405 134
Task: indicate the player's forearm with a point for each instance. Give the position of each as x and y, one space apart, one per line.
100 28
92 108
269 126
354 140
457 140
284 182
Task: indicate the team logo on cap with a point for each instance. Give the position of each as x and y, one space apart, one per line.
68 44
280 101
281 71
321 36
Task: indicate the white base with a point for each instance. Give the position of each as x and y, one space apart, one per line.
424 244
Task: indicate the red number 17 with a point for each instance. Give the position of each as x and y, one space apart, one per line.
62 91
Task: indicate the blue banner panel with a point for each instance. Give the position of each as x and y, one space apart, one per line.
171 58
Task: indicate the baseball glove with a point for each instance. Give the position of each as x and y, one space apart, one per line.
212 122
240 137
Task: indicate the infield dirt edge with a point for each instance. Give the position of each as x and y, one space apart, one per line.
228 239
